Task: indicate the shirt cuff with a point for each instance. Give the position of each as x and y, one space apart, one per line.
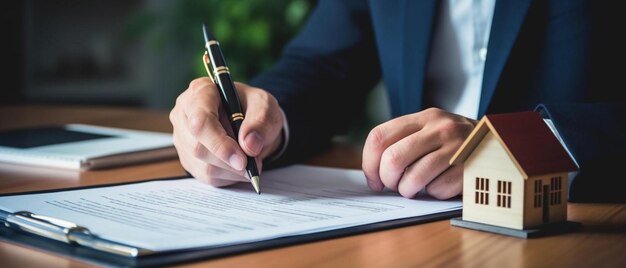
285 142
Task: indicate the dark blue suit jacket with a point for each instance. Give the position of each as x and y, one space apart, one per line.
552 56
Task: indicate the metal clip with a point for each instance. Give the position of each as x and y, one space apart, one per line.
68 232
207 62
42 225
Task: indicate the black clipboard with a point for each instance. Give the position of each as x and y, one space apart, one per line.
178 256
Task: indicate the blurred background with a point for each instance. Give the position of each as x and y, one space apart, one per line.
135 53
138 53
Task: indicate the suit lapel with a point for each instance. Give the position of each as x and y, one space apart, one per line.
508 18
417 32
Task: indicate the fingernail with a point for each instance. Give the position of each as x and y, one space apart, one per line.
254 142
236 162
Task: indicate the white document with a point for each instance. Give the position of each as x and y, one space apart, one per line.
185 213
79 146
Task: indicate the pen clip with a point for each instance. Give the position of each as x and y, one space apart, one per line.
207 62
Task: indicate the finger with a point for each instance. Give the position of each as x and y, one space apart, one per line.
378 140
183 139
202 111
215 172
210 171
447 185
400 155
196 149
192 148
424 171
210 174
175 118
263 122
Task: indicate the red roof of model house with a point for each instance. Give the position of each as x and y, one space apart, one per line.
526 138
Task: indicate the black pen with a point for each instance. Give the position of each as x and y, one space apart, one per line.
219 73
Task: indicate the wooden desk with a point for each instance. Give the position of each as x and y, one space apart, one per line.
600 243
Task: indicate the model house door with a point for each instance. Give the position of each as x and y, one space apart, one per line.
546 204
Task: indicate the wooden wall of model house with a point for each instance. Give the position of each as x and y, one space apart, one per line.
490 161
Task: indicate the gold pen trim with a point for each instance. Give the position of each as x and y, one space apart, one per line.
236 115
221 70
211 42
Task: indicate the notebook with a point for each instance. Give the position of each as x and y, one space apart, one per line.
83 147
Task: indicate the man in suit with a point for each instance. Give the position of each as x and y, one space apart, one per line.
445 64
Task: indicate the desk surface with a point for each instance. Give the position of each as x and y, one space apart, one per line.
601 242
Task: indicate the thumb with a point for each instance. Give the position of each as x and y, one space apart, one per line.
260 130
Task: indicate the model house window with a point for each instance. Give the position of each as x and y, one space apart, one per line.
538 201
504 194
555 190
482 191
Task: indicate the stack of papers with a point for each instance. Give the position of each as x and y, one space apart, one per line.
185 213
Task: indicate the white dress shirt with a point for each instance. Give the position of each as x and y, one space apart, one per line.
458 53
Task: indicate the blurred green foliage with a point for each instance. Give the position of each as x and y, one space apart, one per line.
251 32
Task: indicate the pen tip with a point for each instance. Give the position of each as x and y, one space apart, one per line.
255 183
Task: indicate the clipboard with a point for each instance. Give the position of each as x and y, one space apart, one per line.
146 258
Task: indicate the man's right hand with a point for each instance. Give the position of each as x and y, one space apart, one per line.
202 132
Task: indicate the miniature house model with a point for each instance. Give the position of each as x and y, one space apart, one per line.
515 172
